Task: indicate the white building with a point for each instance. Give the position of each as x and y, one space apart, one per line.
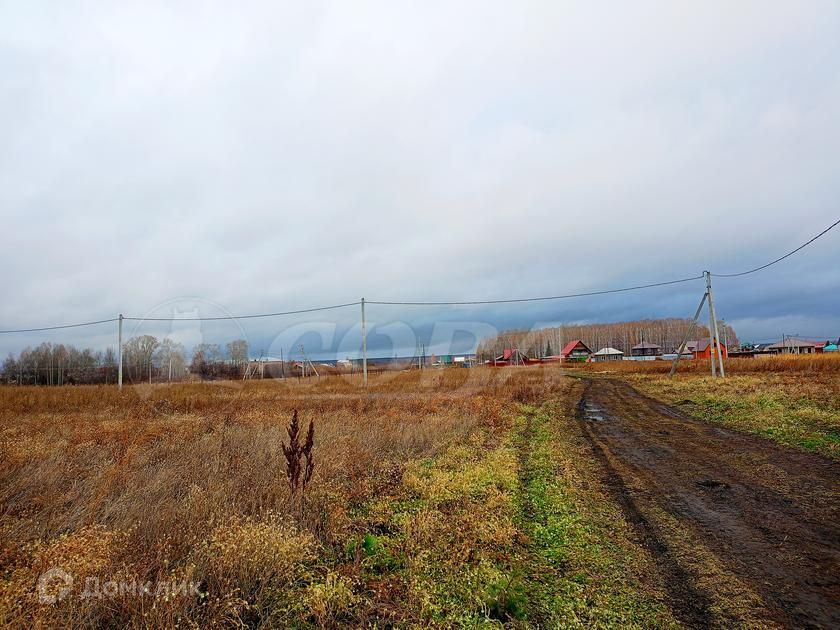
608 354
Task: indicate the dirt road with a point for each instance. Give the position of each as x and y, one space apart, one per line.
743 531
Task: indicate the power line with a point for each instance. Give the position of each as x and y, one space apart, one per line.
790 253
223 317
26 330
537 299
427 303
180 319
337 306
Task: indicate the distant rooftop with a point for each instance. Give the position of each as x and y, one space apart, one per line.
795 342
607 351
645 345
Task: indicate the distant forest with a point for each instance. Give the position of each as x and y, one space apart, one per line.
145 359
544 342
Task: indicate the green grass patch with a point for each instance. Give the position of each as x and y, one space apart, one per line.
795 412
511 529
451 547
582 569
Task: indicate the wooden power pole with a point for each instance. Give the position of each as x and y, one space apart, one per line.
714 329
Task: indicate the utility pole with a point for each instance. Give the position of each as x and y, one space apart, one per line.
560 344
688 332
119 353
714 331
306 360
711 328
364 346
788 345
725 336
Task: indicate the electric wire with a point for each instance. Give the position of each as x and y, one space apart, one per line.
338 306
79 325
535 299
426 303
226 317
182 319
781 258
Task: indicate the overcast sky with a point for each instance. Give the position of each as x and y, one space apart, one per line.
213 158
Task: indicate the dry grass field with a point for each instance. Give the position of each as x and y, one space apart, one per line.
799 364
448 497
413 515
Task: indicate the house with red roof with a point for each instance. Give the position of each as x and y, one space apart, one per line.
511 356
575 350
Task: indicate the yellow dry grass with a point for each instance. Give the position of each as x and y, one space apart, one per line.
186 484
802 364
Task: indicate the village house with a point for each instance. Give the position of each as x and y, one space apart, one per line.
511 356
646 349
608 354
575 350
793 345
702 348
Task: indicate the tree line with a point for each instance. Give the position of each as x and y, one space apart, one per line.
544 342
145 359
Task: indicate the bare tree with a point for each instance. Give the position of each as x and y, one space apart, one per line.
237 352
138 354
171 359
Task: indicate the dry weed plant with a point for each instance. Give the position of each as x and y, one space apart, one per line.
299 462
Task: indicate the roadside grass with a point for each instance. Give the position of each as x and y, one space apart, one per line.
801 365
517 532
789 409
509 527
584 568
447 543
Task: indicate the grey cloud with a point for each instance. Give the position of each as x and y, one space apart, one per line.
282 156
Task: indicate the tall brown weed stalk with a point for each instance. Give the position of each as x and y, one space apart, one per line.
299 462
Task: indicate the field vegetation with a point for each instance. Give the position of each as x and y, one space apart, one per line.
791 364
791 399
443 497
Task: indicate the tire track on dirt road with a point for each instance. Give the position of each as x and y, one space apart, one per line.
767 514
